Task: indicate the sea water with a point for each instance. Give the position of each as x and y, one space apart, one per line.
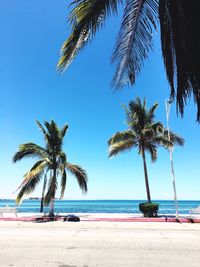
101 206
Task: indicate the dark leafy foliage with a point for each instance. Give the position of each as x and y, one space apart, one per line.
149 209
180 40
134 40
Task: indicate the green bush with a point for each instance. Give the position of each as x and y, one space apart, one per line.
149 209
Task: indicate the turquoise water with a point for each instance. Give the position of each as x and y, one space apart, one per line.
101 206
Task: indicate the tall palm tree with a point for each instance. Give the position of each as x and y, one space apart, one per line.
144 134
52 163
179 23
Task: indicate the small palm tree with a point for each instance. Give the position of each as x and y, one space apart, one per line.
52 162
143 133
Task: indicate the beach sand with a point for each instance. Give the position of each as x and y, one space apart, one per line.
109 244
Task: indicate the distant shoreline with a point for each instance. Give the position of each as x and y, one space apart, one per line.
141 200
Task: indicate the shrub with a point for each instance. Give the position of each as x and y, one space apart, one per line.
149 209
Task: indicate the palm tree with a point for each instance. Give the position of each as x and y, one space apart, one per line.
144 134
52 162
179 24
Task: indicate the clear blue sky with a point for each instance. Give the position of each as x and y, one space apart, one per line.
31 35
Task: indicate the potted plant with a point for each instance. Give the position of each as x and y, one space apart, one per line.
149 209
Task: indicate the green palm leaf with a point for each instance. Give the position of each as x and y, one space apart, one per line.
121 136
80 175
152 149
31 180
86 17
29 150
174 138
134 40
41 127
121 146
36 170
64 130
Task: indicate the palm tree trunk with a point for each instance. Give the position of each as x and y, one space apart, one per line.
51 212
42 205
43 191
146 176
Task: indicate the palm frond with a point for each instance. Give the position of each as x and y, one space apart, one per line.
86 17
121 147
157 127
162 140
80 175
31 180
37 169
46 135
180 40
135 111
121 136
151 148
151 112
41 127
54 138
63 130
148 133
29 150
174 138
52 186
52 129
63 183
62 159
152 129
134 40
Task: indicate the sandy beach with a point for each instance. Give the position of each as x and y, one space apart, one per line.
109 244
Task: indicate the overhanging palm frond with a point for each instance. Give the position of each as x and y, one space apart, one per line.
180 39
29 150
86 17
134 40
80 175
121 147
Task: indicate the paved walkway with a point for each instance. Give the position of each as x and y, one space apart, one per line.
108 244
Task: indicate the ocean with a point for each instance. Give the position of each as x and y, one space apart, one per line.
101 206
